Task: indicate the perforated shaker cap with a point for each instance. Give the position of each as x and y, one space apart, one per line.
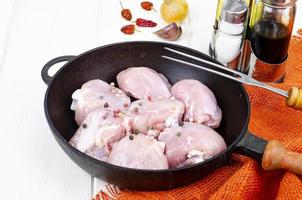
234 11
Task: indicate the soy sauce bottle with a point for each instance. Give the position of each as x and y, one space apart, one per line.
270 29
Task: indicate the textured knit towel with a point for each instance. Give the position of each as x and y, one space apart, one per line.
243 178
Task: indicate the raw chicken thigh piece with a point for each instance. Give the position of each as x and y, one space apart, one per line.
97 94
190 143
144 83
139 152
99 130
152 117
200 102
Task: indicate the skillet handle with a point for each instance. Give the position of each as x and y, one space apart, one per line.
276 156
271 154
251 146
44 73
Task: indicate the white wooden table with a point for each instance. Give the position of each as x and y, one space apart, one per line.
31 33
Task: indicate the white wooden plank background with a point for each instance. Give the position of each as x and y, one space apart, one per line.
35 167
33 32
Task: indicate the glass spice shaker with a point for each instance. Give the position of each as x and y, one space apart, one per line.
229 30
270 28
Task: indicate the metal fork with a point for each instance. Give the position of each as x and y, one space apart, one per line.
294 96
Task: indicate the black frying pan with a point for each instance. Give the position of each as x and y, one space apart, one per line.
105 63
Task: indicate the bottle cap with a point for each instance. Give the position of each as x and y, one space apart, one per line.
234 12
279 3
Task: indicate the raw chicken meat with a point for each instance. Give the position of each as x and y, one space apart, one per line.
144 83
200 102
97 94
114 130
190 143
139 152
98 132
152 117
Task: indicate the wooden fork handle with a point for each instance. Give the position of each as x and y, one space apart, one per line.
276 156
294 99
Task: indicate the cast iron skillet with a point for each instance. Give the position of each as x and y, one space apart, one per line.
105 63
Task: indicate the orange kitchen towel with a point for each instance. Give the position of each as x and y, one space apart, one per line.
243 178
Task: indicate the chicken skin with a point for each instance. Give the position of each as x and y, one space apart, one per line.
200 102
191 143
98 132
139 152
144 83
152 117
97 94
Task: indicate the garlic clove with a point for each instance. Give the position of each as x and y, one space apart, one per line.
171 32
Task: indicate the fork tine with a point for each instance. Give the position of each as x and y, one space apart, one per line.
241 78
204 68
205 61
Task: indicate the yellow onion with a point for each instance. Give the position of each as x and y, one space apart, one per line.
174 10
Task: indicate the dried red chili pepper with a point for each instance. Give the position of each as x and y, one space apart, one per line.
128 29
145 23
126 13
147 5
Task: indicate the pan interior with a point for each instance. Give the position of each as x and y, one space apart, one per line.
106 62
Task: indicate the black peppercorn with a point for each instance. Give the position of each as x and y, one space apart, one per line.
84 125
135 109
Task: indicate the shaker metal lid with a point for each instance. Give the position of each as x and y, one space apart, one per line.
279 3
234 12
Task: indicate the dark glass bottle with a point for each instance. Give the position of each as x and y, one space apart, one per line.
270 29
